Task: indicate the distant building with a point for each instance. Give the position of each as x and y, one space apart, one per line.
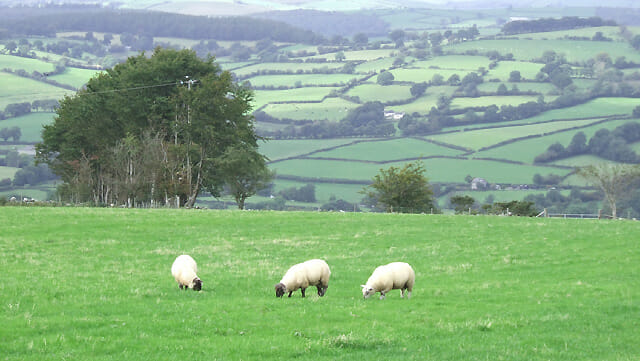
390 114
479 183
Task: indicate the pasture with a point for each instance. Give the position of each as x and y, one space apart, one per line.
332 109
527 50
30 125
96 284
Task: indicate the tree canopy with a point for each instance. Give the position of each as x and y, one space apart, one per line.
403 190
151 130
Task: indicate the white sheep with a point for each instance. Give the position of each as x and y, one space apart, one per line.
184 270
393 276
314 272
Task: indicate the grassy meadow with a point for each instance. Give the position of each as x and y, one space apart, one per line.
96 284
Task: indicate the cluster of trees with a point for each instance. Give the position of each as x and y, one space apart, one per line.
11 132
160 24
553 24
401 189
611 145
188 129
306 193
18 109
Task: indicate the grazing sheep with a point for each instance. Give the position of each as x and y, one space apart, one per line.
393 276
314 272
184 270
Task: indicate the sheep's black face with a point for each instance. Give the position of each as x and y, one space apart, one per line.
197 284
280 289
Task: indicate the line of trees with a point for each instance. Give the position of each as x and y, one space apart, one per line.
160 24
553 24
611 145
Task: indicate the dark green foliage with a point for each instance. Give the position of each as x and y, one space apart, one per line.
612 145
161 24
513 208
340 205
462 203
385 78
553 24
149 129
367 119
306 193
402 190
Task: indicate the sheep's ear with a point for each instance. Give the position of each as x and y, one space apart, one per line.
363 286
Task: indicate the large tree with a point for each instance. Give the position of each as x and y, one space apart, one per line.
184 110
614 179
244 172
403 190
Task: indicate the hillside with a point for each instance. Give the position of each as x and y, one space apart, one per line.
468 100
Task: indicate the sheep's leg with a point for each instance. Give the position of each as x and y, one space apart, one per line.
408 294
180 286
382 296
290 293
302 289
402 293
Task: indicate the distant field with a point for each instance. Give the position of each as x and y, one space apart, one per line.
263 97
503 70
543 88
593 108
607 31
418 75
333 109
75 77
324 191
458 62
527 50
26 64
366 55
387 150
369 92
302 79
485 137
438 170
7 172
374 65
581 161
280 149
285 67
17 89
424 103
526 150
498 100
30 125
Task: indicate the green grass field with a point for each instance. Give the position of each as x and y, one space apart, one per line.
485 137
26 64
30 125
96 284
386 150
503 70
498 100
17 89
301 79
523 49
263 97
332 109
284 67
75 76
369 92
7 172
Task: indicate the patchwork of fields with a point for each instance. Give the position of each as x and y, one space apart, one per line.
324 84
